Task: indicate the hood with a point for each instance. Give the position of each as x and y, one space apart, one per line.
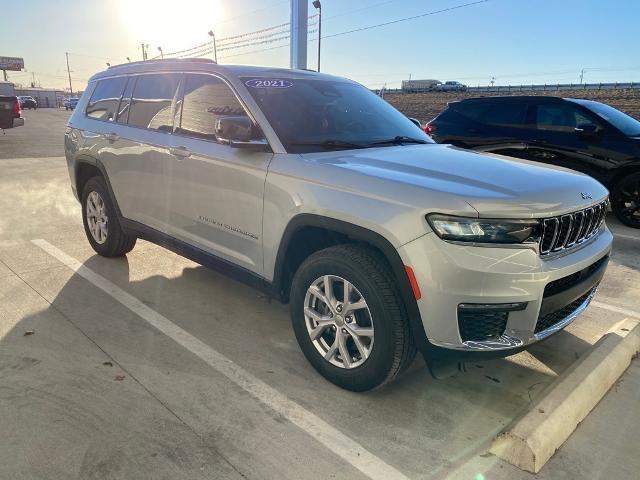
494 185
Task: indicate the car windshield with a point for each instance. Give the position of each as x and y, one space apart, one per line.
623 122
310 115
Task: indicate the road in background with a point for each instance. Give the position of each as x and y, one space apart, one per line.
41 136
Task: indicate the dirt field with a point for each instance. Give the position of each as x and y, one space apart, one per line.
425 106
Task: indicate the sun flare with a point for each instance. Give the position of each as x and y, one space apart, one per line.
170 24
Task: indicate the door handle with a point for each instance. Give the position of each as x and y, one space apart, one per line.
112 137
181 152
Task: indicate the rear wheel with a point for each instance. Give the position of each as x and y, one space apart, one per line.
101 223
625 200
349 319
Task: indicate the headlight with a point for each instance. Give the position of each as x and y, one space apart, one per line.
484 230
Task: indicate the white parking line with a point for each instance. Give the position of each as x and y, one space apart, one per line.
337 442
613 308
627 237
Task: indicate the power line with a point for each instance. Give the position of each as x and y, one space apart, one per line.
435 12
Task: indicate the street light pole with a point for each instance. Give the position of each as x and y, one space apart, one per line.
318 6
69 73
215 52
161 53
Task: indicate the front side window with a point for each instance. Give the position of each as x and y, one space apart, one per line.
103 104
311 115
152 101
559 117
623 122
206 98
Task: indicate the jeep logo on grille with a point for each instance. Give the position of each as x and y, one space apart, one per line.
586 196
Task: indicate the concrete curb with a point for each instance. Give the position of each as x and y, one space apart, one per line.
532 439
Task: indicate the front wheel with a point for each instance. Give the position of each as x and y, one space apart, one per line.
349 319
625 200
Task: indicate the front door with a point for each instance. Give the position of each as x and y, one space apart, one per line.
556 140
216 190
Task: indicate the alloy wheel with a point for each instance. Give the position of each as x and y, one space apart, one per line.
97 219
628 199
338 321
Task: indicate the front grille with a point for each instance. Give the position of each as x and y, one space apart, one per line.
564 283
550 319
567 231
479 326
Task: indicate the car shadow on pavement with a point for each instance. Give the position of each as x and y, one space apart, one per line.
439 423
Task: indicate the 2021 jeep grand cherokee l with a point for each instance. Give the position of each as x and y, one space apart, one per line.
313 188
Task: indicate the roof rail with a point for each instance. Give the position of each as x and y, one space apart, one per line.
166 60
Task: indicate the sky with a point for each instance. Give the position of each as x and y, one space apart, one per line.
515 41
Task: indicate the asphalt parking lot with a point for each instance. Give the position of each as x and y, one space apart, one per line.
152 366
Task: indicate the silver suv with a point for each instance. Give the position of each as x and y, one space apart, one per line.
314 189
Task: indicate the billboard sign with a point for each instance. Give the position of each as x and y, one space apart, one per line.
11 63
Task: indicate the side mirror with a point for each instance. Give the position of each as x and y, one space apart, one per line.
239 132
416 122
588 131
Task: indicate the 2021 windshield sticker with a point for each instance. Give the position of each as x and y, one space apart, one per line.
268 83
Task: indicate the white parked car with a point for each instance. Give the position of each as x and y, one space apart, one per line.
313 188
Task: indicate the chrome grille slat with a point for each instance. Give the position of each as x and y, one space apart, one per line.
569 230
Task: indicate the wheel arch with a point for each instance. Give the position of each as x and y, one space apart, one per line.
334 232
87 167
630 167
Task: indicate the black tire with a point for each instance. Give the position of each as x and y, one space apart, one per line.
366 269
117 242
625 200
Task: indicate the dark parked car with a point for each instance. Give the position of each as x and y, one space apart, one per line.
27 101
10 112
583 135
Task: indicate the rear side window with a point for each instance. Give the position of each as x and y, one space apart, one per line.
103 104
206 98
496 114
152 101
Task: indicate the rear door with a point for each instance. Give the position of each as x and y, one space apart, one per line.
136 135
497 127
216 190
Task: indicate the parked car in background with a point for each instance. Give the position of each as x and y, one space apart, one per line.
70 103
450 86
10 112
582 135
27 101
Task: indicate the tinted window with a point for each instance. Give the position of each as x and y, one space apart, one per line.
206 98
559 117
123 109
152 100
104 101
308 113
497 114
623 122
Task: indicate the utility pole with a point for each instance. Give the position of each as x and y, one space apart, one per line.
144 51
69 73
33 79
318 6
581 76
215 51
298 45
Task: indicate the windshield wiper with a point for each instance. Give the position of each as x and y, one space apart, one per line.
398 140
329 144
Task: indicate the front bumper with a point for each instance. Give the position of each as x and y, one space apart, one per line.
451 275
